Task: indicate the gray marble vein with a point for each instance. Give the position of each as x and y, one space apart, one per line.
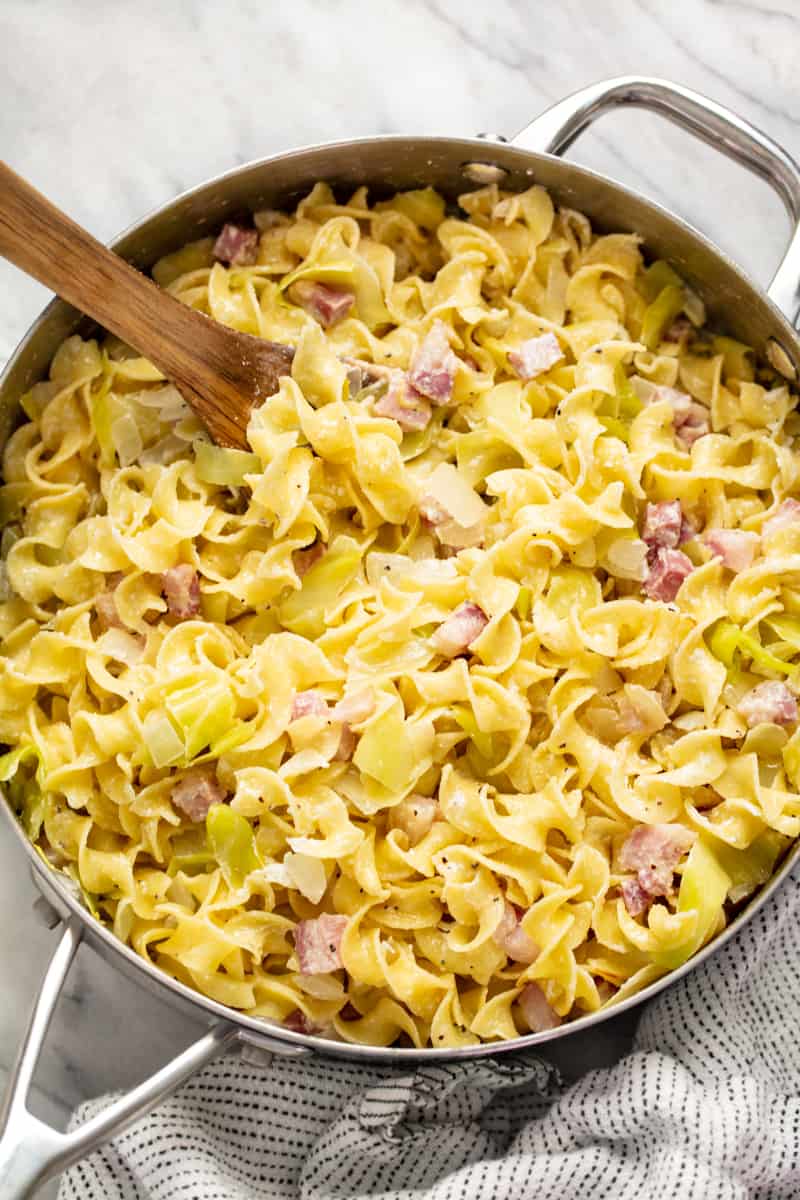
113 108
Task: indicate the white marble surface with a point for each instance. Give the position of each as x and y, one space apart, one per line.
113 108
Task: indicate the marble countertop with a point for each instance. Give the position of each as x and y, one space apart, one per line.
111 109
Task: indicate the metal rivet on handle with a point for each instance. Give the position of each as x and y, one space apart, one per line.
255 1056
781 360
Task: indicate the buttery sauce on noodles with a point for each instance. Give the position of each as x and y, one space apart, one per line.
463 713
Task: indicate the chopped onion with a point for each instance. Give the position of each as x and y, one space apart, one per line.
601 717
126 438
644 389
423 547
648 714
121 645
536 1010
626 558
449 488
399 566
307 875
767 741
167 450
694 307
168 400
633 710
605 678
355 707
277 872
460 537
321 987
386 566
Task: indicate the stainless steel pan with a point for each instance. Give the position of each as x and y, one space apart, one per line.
31 1151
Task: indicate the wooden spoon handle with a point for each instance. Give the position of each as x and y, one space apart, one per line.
219 372
43 241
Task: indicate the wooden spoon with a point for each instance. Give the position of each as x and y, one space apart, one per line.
219 372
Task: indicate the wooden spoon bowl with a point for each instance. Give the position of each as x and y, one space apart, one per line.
222 374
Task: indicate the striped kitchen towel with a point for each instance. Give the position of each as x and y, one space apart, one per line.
707 1105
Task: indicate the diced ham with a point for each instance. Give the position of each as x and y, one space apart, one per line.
649 392
303 560
538 1014
535 356
181 587
736 547
297 1021
657 880
236 246
433 368
459 631
768 702
636 899
324 303
680 402
679 330
666 571
355 708
786 514
690 420
402 403
414 816
693 426
688 531
308 704
511 937
655 845
640 710
106 609
317 943
662 523
347 745
196 792
653 851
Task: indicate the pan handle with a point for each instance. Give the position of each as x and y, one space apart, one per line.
556 129
30 1150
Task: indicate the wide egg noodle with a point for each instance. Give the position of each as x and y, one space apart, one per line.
536 786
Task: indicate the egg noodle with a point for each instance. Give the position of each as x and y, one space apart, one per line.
584 709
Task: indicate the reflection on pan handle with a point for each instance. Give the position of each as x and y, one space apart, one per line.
556 129
30 1150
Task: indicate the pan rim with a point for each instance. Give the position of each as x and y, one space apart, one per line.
258 1030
